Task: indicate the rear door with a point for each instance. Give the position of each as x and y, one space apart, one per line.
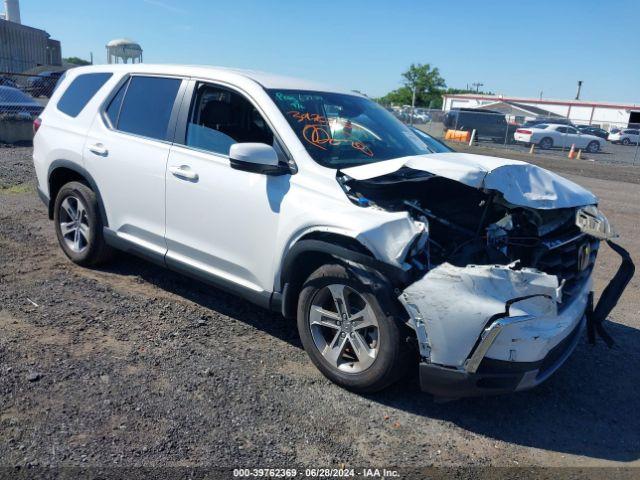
126 152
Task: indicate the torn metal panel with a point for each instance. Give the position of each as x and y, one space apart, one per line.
456 303
393 239
519 182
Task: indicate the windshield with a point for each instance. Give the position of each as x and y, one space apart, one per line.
436 146
342 131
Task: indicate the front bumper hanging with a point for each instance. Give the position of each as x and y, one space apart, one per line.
490 376
609 298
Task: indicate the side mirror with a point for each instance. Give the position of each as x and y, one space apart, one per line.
256 158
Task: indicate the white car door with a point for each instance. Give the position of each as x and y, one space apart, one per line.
560 136
221 222
126 152
574 137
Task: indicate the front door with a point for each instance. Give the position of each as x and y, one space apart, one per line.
222 222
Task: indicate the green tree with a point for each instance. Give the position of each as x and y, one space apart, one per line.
76 61
425 81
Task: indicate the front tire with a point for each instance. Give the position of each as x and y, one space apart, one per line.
593 147
346 334
626 141
79 225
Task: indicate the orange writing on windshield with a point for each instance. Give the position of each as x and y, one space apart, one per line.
319 137
308 117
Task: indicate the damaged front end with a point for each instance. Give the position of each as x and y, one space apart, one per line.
500 287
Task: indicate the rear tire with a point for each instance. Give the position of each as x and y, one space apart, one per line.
334 308
626 141
79 225
546 143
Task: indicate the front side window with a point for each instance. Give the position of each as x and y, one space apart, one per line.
571 130
146 107
561 129
340 130
220 118
80 91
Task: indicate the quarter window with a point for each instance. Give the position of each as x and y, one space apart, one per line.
113 110
80 91
146 107
220 118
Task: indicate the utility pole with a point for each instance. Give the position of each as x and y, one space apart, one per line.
413 103
477 85
579 89
541 92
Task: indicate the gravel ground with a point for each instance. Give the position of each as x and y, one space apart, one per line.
135 365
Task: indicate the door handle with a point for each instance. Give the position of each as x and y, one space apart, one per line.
184 172
99 149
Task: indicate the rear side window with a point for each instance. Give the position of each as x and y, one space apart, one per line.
147 105
80 91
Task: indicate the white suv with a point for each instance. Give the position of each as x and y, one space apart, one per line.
384 244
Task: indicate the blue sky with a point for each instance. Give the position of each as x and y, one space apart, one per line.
516 48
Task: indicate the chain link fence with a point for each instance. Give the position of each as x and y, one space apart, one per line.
22 98
484 130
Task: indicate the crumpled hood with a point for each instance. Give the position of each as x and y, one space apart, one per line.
519 182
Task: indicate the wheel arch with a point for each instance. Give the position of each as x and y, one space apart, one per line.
317 248
62 172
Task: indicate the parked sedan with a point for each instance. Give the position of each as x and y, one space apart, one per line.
8 82
421 116
43 84
548 120
548 136
627 136
16 102
589 130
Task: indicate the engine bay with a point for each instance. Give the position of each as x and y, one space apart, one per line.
467 225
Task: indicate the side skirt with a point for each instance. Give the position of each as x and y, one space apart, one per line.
262 299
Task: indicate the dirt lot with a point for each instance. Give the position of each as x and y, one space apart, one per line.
134 365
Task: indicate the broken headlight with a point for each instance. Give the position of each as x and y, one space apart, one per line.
592 221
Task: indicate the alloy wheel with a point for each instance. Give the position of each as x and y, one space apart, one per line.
344 328
74 224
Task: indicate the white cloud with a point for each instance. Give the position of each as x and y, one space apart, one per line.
164 5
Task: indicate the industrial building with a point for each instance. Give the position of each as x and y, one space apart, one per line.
603 114
23 48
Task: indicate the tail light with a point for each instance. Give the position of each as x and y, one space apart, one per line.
521 130
36 124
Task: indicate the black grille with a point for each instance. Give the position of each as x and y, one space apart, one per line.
560 257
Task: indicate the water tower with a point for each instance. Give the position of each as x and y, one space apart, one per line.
121 50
